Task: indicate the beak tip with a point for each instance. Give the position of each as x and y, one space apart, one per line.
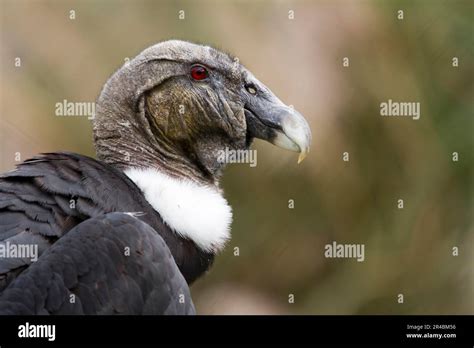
302 156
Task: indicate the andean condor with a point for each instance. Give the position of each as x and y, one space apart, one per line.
128 232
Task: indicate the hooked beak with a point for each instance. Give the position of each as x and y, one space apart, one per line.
271 120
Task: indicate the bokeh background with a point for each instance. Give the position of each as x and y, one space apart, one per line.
407 251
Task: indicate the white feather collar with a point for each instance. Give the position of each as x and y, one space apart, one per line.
196 212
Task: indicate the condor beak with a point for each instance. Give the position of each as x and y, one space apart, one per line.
271 120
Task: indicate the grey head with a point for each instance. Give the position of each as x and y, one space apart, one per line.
177 105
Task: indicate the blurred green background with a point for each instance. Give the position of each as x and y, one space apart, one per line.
407 251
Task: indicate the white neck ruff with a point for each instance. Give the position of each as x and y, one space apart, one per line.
193 211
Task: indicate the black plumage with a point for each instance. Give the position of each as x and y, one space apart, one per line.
89 271
35 207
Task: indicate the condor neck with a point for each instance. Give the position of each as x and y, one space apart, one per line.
193 211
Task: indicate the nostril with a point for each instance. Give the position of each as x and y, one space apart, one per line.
251 88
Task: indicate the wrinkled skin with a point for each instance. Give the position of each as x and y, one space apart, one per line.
178 123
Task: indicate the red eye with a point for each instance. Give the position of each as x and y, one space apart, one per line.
199 72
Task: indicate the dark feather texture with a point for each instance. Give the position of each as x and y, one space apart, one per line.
110 264
47 196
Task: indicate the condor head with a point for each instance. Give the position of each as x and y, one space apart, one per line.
177 105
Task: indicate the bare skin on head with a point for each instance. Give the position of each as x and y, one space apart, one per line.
154 113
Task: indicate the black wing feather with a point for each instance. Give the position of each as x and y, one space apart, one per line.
47 196
91 265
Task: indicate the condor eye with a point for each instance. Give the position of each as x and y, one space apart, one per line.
198 72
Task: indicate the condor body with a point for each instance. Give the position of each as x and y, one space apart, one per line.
127 233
